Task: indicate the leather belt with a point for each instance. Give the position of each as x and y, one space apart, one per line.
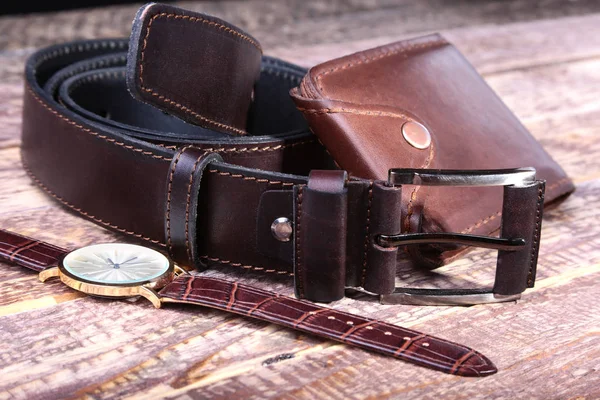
248 201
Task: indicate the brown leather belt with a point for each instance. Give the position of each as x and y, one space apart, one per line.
221 188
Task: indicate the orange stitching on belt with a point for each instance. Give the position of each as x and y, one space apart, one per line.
80 211
536 234
300 282
250 178
251 267
256 149
174 103
368 226
106 138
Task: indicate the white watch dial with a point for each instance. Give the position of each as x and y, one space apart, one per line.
116 263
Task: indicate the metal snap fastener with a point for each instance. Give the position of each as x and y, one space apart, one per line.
282 229
416 135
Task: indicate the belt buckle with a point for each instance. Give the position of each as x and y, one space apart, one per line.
519 177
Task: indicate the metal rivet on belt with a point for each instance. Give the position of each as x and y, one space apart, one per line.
282 229
416 135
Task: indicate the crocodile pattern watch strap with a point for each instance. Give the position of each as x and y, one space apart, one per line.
402 343
29 253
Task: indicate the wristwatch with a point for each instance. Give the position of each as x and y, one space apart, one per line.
125 270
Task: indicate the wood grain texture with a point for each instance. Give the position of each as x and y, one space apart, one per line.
58 344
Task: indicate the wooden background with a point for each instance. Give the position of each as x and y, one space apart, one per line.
543 59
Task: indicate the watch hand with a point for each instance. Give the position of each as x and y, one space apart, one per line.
101 258
131 259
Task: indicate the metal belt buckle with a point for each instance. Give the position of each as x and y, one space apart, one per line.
507 177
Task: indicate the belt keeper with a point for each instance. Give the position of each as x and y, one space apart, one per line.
521 217
181 205
320 220
385 215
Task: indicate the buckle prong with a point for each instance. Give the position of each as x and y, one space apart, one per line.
506 244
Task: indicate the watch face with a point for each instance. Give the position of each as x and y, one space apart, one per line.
116 263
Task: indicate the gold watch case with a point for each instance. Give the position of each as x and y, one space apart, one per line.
145 289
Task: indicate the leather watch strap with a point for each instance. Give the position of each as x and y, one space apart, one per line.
29 253
402 343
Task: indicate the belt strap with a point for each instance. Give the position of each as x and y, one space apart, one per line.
133 168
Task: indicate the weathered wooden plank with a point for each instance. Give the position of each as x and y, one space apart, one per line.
11 104
490 48
295 22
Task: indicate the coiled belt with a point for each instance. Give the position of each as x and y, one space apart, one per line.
206 196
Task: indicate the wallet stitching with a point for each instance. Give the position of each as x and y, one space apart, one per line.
168 100
482 222
410 210
298 270
490 218
328 153
320 111
390 52
246 266
80 211
104 137
367 238
414 194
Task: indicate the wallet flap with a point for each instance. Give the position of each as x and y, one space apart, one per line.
420 104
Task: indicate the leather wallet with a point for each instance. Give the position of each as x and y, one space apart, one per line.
419 104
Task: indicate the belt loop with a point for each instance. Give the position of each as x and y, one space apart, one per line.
181 208
320 217
521 217
384 215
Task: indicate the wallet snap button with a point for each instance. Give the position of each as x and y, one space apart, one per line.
416 135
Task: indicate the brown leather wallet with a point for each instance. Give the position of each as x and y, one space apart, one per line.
419 104
210 160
